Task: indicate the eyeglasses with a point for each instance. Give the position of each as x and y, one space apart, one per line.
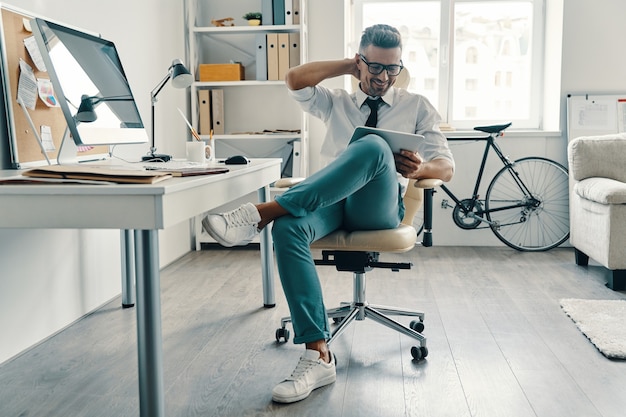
375 68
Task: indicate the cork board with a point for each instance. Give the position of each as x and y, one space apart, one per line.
25 150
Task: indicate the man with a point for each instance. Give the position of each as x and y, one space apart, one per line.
362 188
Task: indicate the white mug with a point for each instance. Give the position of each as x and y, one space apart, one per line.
199 151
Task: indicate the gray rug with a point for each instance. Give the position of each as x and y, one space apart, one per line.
602 321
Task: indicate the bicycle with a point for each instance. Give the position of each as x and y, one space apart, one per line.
526 204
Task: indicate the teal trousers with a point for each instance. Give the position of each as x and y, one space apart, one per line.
357 191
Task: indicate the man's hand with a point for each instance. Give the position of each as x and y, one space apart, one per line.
412 165
408 163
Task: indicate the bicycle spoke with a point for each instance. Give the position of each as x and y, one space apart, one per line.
541 188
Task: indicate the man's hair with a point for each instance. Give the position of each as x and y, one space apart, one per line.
382 36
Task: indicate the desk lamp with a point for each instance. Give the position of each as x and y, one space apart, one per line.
86 111
181 78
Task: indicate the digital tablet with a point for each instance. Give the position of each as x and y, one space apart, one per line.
396 140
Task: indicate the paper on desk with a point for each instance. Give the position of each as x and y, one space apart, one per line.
97 173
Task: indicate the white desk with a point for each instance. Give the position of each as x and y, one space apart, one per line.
144 209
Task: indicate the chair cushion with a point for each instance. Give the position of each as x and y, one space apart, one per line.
601 190
401 239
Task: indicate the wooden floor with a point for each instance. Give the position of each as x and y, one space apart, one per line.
499 345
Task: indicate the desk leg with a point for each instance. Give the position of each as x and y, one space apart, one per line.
149 339
267 256
128 268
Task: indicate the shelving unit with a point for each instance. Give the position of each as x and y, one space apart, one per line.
251 106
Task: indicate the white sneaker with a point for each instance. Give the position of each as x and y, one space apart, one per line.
234 228
310 373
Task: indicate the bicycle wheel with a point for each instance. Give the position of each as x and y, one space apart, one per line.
529 204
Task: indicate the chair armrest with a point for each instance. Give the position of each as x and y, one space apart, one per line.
288 182
426 183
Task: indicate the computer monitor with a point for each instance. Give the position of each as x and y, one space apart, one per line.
86 69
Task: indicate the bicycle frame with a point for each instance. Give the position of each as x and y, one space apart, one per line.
525 203
490 144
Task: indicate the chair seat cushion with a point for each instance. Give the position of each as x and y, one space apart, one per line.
401 239
601 190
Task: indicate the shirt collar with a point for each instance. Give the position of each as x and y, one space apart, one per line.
387 98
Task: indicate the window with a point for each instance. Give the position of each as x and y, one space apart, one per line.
478 62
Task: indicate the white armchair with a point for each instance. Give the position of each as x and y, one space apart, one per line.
597 166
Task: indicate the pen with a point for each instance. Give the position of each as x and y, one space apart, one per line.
193 131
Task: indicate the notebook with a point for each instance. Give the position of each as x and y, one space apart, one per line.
396 140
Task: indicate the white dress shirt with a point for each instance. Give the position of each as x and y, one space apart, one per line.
400 110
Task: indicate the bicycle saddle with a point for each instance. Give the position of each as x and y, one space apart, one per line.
492 128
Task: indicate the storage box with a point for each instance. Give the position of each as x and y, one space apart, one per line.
221 72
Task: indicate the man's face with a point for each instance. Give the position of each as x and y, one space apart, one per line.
377 85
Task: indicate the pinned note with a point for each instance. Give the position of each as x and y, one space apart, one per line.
27 86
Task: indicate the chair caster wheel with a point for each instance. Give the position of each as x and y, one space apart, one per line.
282 333
338 320
419 353
417 325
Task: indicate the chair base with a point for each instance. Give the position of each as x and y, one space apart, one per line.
360 309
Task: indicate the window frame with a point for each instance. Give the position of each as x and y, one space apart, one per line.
446 59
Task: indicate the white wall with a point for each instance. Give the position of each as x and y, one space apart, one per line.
50 278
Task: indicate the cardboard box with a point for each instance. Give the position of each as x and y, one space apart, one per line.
221 72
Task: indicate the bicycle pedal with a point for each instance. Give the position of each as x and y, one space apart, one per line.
445 204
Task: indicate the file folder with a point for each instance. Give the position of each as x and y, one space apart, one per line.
267 14
294 50
278 7
283 55
261 57
295 9
204 112
272 56
296 168
217 106
289 12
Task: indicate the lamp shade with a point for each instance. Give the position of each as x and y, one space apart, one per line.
86 112
181 77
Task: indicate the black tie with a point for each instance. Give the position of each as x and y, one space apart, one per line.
372 120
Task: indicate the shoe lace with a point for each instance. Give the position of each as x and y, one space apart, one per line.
239 218
303 366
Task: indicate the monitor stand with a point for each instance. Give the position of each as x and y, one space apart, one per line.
68 150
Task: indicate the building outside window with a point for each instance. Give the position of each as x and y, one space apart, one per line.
468 57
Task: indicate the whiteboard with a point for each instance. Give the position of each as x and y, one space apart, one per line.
595 114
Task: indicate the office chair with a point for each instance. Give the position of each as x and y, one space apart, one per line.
358 252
